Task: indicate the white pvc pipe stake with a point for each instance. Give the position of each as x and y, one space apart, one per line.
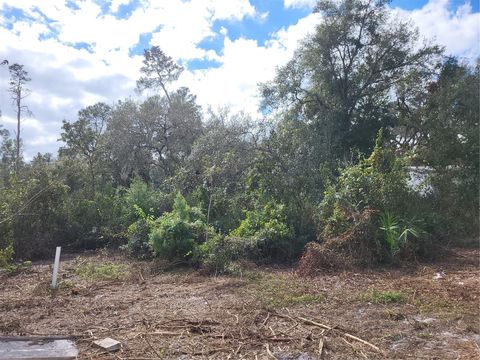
55 267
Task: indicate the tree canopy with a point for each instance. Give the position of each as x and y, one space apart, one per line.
363 106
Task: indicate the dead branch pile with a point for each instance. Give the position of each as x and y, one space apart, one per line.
356 246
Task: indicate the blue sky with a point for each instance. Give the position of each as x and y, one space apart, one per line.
81 52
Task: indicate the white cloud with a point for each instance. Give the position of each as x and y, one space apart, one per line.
244 64
42 140
115 5
66 78
458 30
299 3
186 24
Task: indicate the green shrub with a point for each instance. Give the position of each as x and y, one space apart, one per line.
141 204
454 205
138 243
6 257
6 261
140 195
175 234
217 254
92 220
268 226
378 182
402 237
378 185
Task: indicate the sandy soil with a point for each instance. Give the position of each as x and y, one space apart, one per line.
423 311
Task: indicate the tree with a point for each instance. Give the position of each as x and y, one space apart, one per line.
165 125
7 156
342 79
18 90
450 144
124 140
159 70
83 138
216 169
451 118
154 137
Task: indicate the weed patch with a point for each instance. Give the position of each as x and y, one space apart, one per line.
383 297
394 315
276 292
441 308
105 271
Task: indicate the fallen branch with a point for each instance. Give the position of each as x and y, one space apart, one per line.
311 322
168 333
362 341
350 336
329 328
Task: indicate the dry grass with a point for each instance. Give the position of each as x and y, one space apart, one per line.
184 315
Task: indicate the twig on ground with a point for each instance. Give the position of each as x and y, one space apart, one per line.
167 333
353 337
151 347
355 349
269 353
271 330
362 341
329 328
265 321
320 348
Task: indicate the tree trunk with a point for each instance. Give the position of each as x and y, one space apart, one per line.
19 112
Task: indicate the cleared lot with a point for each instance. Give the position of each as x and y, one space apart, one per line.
427 311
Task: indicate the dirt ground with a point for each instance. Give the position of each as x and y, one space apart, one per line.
424 311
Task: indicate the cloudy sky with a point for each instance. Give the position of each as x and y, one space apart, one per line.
81 52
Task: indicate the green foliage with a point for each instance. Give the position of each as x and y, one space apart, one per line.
342 78
384 297
141 203
402 237
141 196
138 233
6 261
440 124
272 185
218 253
104 271
391 228
33 219
452 120
378 183
269 226
92 222
175 234
6 256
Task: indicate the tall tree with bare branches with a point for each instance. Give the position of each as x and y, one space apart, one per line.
18 91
